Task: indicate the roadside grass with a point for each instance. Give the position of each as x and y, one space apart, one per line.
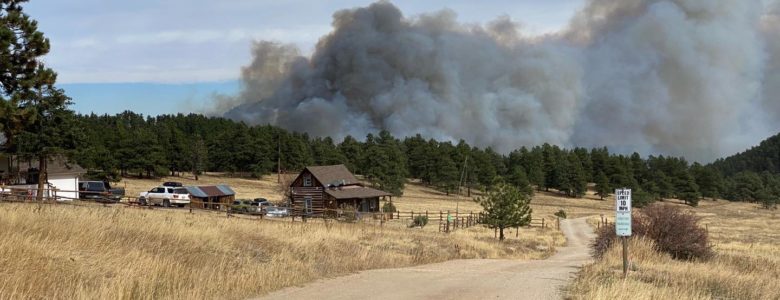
746 264
93 252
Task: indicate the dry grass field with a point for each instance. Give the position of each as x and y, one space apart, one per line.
89 251
84 251
118 252
746 264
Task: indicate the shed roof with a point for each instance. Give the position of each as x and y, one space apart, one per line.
332 174
55 166
210 191
353 192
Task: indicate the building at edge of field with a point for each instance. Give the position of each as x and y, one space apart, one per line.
217 197
20 176
319 189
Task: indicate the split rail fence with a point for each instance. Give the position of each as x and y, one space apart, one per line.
448 221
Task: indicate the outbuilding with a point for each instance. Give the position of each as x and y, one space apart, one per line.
217 197
63 177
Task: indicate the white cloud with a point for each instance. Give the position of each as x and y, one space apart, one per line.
196 40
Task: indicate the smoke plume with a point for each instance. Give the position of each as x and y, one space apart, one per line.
697 78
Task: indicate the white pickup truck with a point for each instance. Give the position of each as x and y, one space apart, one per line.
165 196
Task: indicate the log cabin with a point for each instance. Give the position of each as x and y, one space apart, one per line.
318 189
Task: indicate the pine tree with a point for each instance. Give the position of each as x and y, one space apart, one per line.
688 191
520 181
199 156
577 180
709 180
505 207
535 168
34 117
603 188
395 172
351 150
384 163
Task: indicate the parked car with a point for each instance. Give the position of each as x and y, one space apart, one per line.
100 191
165 196
244 207
172 184
276 212
260 203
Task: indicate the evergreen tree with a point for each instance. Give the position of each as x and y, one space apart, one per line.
351 150
519 180
688 191
603 189
710 182
535 169
199 156
577 178
505 207
385 163
34 117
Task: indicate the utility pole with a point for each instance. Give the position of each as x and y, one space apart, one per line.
460 182
279 159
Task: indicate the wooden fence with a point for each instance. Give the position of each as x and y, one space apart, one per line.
448 221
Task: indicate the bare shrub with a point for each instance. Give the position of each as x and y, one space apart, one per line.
674 231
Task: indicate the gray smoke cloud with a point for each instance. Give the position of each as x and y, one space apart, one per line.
697 78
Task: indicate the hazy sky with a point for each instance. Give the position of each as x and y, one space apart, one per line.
170 56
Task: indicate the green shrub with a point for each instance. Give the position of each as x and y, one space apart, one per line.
561 214
388 207
674 231
419 221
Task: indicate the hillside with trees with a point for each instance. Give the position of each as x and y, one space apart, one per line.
129 144
753 175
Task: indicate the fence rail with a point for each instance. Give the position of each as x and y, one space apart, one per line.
448 221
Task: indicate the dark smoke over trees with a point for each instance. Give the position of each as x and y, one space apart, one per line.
675 77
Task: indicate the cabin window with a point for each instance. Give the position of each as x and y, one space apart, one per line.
307 204
307 180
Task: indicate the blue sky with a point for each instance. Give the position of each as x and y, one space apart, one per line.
169 56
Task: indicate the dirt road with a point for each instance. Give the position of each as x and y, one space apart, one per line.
461 279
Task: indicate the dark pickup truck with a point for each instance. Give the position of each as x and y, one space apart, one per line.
100 191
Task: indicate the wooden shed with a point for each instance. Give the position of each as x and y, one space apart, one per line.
217 197
321 188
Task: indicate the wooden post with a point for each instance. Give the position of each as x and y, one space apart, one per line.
426 214
412 215
517 231
625 256
543 223
558 223
441 216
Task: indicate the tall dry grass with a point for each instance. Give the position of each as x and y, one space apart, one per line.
93 252
729 275
746 264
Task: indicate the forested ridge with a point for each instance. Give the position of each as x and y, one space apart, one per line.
129 144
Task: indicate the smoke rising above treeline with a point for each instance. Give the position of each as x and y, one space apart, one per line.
697 78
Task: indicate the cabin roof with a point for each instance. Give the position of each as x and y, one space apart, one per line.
333 175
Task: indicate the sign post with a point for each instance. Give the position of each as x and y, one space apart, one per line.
623 221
